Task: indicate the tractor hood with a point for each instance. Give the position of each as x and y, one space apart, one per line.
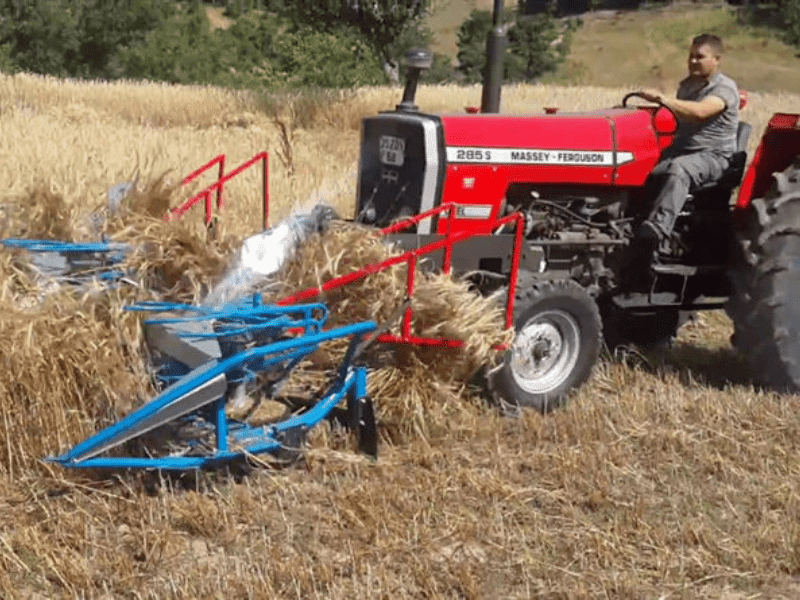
411 162
612 147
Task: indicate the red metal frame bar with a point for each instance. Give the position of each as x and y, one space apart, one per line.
195 174
410 258
217 186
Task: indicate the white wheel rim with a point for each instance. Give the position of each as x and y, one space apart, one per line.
545 351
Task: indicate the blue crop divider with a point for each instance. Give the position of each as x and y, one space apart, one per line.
296 332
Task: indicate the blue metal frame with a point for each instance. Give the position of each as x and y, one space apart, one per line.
247 439
246 317
87 261
67 247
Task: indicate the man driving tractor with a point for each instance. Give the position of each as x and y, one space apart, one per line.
707 108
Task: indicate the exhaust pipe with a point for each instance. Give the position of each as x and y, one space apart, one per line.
417 60
495 49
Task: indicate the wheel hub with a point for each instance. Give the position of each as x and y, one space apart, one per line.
545 351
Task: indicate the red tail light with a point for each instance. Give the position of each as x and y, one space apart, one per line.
664 122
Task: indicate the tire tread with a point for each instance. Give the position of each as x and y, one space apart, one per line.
766 303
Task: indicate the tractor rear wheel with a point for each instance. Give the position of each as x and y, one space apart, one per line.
765 307
557 342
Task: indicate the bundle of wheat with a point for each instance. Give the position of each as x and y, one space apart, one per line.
442 306
412 385
39 213
73 359
173 260
70 365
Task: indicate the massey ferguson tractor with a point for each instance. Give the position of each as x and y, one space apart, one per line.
579 180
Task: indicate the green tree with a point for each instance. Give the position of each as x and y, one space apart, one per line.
790 13
107 26
75 37
44 36
536 45
7 64
337 57
233 9
247 45
180 50
164 40
267 52
380 22
471 42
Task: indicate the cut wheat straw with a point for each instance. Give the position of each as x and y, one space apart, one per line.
410 385
650 484
87 380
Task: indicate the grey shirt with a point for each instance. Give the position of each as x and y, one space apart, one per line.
717 134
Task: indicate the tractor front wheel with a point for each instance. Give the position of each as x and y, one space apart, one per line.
557 342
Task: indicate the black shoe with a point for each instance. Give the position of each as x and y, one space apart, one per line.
646 244
650 233
655 243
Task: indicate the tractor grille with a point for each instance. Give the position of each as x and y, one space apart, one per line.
401 168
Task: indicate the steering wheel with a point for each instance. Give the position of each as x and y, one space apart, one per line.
659 104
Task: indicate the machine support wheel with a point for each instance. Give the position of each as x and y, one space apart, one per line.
764 307
557 342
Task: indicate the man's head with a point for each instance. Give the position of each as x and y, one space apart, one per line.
704 55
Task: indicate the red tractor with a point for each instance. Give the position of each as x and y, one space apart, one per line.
579 180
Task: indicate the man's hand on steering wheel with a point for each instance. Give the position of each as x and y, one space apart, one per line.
656 97
652 95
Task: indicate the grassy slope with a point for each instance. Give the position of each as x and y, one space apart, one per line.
216 18
446 17
648 47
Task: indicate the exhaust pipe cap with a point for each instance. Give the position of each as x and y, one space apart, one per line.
419 58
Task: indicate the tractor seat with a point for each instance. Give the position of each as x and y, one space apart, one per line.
733 174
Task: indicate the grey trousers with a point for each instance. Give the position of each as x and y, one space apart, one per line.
673 179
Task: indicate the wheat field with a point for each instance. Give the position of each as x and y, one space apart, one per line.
81 138
658 480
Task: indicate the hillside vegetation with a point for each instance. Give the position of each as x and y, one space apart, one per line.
674 480
648 46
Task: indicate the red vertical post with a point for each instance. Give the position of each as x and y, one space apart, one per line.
265 174
221 176
209 209
448 247
512 284
412 267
